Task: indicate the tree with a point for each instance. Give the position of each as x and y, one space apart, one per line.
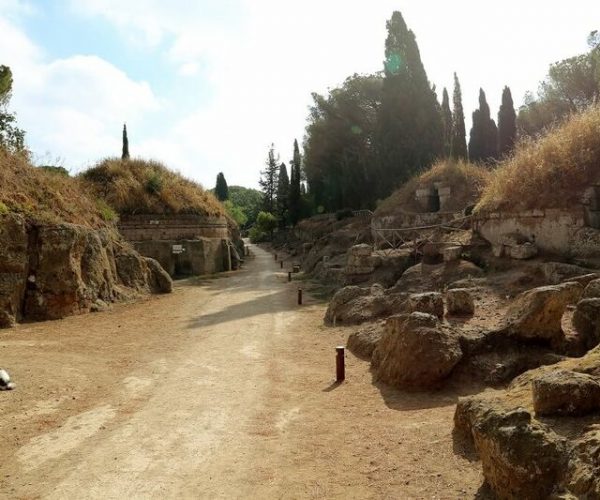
458 147
221 189
268 180
410 134
295 195
236 212
507 124
340 154
447 123
283 193
249 201
125 153
483 143
12 138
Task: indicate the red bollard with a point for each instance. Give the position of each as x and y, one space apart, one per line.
340 364
289 275
299 296
281 262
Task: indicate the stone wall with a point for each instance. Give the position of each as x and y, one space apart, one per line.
562 232
172 227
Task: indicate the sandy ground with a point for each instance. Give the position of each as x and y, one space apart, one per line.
223 389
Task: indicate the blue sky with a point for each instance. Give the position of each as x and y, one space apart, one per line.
206 86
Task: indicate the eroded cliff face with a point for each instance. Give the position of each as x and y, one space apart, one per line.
53 271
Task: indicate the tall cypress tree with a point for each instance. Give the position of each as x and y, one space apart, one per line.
447 123
295 197
483 143
268 180
507 124
458 148
221 189
125 153
409 127
283 195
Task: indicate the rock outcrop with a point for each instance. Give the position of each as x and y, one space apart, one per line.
362 343
429 303
586 320
52 271
415 352
564 392
459 302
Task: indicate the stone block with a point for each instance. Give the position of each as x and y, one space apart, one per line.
452 253
523 252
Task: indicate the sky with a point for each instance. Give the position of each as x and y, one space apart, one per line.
207 85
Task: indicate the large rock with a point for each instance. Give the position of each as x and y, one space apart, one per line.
564 392
459 302
423 277
557 272
537 313
53 271
353 305
592 290
415 352
586 321
362 343
521 458
429 303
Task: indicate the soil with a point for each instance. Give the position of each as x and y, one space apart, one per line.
223 389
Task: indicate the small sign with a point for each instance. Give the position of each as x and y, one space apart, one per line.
177 249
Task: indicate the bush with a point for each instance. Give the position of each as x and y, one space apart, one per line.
266 222
344 213
154 184
106 212
51 169
3 208
236 212
257 236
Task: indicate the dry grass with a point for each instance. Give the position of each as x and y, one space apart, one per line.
147 187
552 172
465 179
46 197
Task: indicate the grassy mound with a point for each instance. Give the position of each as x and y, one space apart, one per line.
552 172
44 196
148 187
465 180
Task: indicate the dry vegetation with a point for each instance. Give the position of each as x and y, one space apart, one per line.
552 172
45 196
465 179
147 187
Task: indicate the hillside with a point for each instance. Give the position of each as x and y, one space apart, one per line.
45 196
148 187
552 172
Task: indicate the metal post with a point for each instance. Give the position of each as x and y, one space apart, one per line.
340 364
289 275
299 296
281 262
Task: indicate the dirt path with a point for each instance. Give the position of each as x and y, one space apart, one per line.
220 390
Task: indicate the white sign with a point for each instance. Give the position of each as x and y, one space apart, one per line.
177 249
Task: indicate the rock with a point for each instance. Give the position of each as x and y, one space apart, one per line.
592 290
498 250
362 250
415 352
563 392
452 253
522 252
459 302
586 321
363 342
423 277
159 280
557 272
537 313
99 306
359 260
584 279
13 267
430 303
521 458
5 382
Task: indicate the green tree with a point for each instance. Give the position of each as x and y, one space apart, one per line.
221 189
295 195
248 200
507 124
340 155
283 193
410 134
268 180
12 138
447 123
125 153
483 143
458 147
236 212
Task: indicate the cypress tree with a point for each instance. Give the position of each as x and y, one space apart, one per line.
283 195
295 197
483 143
125 153
507 124
447 123
409 127
268 181
221 189
458 147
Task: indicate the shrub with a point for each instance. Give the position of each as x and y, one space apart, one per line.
3 209
154 184
256 235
